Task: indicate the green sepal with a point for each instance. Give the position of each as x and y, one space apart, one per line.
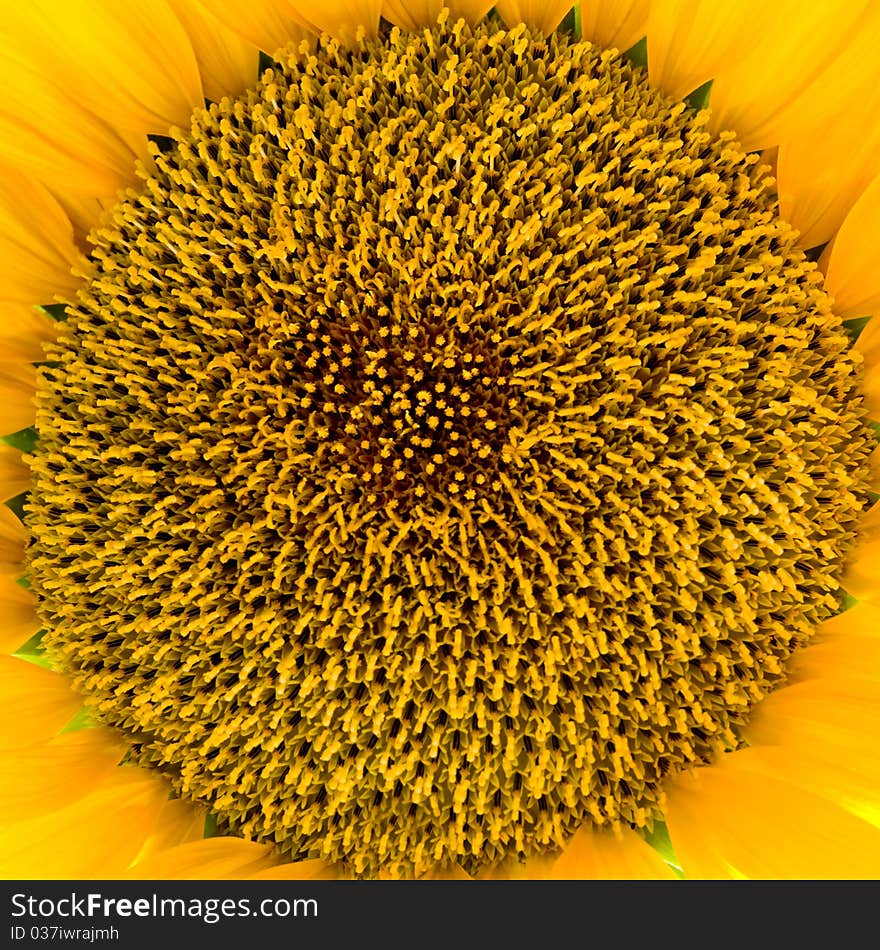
34 645
266 62
494 17
658 838
55 311
699 98
16 505
25 440
33 651
571 23
855 326
82 720
637 54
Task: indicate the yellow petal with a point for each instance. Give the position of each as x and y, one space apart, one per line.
37 250
96 837
820 732
846 651
209 859
414 14
820 180
46 777
614 23
35 703
454 873
23 333
313 870
851 262
861 620
738 44
794 41
84 212
178 823
874 469
12 541
536 868
266 24
270 24
599 855
228 64
339 18
543 15
868 344
689 41
862 577
131 64
17 387
868 811
822 739
736 819
830 139
49 134
15 476
19 616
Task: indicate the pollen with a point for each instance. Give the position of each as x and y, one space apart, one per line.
449 444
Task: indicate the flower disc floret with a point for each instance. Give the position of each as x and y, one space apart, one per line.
449 443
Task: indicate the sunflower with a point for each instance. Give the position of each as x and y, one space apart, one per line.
438 445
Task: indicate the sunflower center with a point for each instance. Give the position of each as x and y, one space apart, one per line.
449 444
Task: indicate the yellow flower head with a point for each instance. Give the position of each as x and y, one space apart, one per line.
445 450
